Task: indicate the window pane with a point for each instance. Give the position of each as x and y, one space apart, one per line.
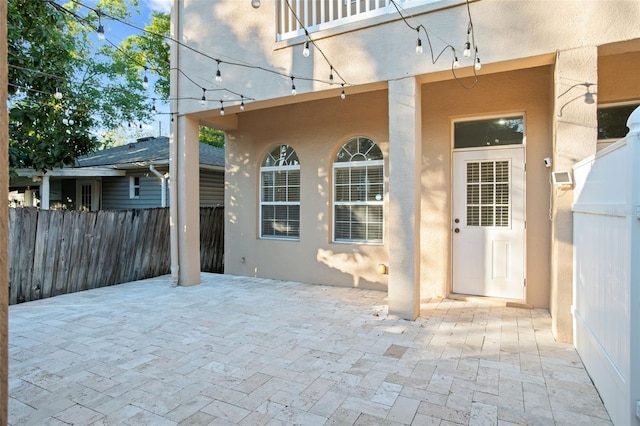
361 185
492 132
280 188
612 121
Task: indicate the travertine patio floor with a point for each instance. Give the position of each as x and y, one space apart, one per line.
237 350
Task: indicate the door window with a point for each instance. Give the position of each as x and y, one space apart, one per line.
487 186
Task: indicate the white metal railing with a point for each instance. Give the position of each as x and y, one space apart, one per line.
315 15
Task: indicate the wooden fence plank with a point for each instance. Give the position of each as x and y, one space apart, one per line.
55 252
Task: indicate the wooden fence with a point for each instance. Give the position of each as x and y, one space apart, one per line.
54 252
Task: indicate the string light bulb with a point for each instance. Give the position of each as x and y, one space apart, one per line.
241 103
331 75
218 73
221 108
203 100
100 31
477 65
342 94
153 108
467 49
305 51
293 86
57 94
419 49
255 4
145 80
456 63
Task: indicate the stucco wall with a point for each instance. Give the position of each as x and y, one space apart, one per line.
506 30
526 91
618 77
315 130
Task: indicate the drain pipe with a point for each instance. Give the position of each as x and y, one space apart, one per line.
163 184
173 143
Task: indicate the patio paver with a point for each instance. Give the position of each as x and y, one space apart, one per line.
248 351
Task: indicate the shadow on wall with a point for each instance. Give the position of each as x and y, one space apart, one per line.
363 268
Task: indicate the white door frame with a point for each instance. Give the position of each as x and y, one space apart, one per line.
480 151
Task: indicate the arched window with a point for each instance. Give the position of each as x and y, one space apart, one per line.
358 192
280 194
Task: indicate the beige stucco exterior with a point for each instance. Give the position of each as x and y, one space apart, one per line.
536 57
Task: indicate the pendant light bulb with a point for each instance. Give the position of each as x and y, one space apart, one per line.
342 94
203 100
456 63
419 49
467 49
58 94
101 35
305 51
218 74
221 108
145 82
477 65
241 103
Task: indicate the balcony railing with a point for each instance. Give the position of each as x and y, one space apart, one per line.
316 15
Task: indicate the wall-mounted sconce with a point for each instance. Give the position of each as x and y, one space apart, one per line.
383 269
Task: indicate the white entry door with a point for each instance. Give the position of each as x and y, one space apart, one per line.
488 222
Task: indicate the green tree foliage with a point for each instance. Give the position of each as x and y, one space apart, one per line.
152 48
212 136
52 49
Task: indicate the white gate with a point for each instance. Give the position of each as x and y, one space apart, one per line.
606 288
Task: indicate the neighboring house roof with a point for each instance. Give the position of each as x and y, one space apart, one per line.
147 150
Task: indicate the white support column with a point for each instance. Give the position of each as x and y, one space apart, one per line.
403 216
45 192
575 137
185 181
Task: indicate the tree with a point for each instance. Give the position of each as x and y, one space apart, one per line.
62 89
151 48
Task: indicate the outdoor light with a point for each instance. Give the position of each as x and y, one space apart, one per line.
331 75
145 79
100 27
58 94
221 108
419 46
456 64
218 74
255 4
467 49
588 98
241 103
477 65
203 101
342 94
305 51
293 87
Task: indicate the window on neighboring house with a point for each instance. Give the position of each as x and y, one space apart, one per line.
280 194
134 187
358 192
612 120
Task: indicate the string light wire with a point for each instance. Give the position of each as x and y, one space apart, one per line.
434 58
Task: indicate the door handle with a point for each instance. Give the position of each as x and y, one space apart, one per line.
456 230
